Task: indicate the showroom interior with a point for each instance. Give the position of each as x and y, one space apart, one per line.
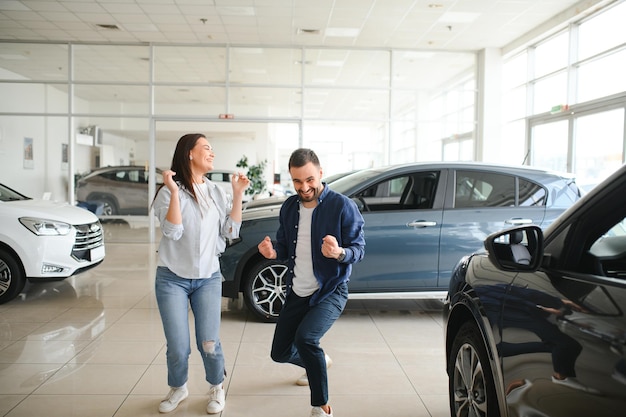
365 83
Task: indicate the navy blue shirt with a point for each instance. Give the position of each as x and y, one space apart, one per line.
336 215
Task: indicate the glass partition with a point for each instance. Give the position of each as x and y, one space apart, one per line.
32 61
120 99
111 63
190 100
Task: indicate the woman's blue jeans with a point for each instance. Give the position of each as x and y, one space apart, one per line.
297 337
174 296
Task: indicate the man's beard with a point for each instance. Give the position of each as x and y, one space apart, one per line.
312 197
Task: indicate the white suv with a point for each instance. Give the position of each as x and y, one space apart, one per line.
44 240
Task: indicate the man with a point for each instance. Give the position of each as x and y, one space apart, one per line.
320 235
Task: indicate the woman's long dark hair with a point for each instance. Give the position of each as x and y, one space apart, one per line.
180 162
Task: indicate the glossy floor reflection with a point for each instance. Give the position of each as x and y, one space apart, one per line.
93 345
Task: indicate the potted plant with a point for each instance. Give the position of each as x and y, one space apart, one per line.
258 184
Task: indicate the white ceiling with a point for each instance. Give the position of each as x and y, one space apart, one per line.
422 25
459 25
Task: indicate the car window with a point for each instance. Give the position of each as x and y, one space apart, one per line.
134 176
7 194
564 194
115 175
409 191
531 194
484 189
218 176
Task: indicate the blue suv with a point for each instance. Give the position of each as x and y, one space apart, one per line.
420 219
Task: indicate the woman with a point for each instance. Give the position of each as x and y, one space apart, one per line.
195 221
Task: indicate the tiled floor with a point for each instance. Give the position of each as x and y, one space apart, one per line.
93 345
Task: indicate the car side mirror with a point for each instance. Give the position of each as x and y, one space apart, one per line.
517 249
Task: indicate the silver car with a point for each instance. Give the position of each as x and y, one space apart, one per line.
117 190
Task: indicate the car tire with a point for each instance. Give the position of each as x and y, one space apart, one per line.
471 385
264 290
12 279
108 206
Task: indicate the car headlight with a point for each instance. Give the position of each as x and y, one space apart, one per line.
43 227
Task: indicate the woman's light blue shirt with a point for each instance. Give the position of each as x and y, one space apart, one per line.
183 247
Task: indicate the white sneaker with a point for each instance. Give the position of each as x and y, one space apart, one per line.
217 399
174 397
303 381
575 384
318 412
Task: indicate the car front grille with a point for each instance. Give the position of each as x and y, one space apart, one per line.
88 237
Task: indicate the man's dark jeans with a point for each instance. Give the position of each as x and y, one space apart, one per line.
298 332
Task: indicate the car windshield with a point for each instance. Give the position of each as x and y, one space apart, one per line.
347 183
7 194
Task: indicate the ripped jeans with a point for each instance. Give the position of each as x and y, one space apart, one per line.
174 296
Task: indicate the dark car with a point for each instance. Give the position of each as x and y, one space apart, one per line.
276 200
118 189
420 219
535 325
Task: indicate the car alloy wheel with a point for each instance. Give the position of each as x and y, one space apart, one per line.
264 290
472 392
108 207
12 280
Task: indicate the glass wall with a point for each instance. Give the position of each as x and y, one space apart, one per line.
565 97
357 107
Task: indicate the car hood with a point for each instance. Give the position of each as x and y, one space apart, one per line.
265 202
49 210
261 212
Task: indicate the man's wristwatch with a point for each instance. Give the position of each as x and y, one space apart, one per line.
342 256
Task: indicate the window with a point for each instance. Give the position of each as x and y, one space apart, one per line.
483 189
385 195
602 32
413 191
531 194
549 84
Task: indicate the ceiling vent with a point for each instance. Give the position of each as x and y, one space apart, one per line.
107 27
308 31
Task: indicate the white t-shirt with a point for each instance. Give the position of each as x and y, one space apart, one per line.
304 282
209 226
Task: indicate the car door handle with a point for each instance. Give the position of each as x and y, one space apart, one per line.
518 221
421 223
